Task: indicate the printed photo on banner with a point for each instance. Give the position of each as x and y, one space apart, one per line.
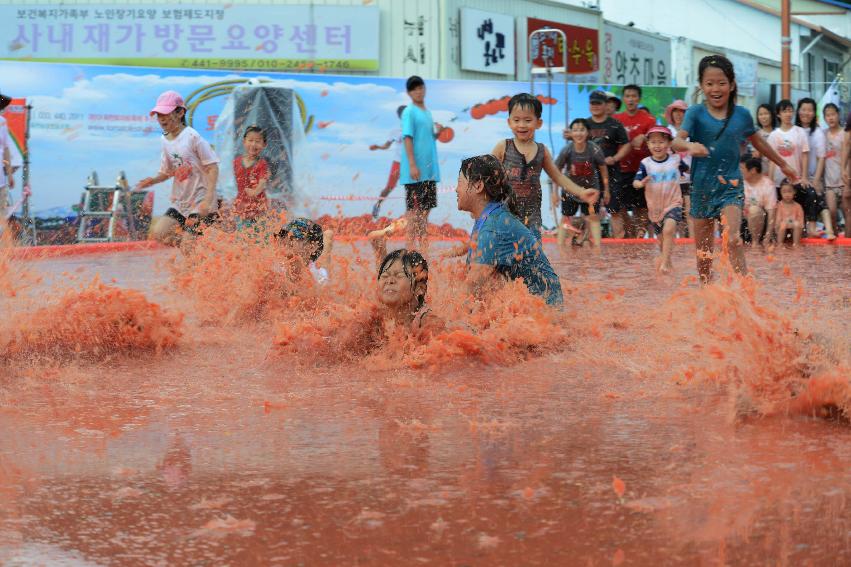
95 118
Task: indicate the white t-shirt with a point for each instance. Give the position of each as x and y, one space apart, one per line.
4 143
762 193
791 145
184 158
818 147
685 157
833 158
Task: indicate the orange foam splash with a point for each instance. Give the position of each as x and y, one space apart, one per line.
93 322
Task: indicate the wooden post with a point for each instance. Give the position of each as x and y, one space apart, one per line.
785 49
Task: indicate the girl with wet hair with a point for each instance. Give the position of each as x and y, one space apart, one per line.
402 281
717 128
501 247
304 242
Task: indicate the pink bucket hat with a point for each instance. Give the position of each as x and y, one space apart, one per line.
167 102
669 110
660 130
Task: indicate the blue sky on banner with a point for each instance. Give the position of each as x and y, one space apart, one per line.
93 118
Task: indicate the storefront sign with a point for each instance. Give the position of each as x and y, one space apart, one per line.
230 36
487 42
582 48
634 57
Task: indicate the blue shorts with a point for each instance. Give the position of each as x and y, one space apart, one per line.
709 203
676 213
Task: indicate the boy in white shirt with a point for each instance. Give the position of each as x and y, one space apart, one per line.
760 200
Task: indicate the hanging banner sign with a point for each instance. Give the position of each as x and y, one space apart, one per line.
231 36
582 50
487 42
16 120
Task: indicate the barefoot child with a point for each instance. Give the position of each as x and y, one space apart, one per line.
252 174
760 201
660 175
717 128
833 184
190 160
523 159
584 164
790 215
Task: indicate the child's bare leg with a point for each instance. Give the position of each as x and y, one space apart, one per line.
832 207
756 222
417 229
797 229
812 229
732 223
619 222
669 229
561 233
687 215
166 230
704 240
639 223
596 230
846 209
828 224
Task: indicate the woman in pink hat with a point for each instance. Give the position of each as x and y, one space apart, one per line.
674 114
190 160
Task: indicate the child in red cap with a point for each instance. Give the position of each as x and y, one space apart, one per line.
660 175
190 160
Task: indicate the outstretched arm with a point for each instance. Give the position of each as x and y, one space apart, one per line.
587 195
766 150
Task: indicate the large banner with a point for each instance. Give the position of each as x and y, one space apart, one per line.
95 118
230 36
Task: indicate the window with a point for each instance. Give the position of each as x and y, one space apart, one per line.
831 69
811 70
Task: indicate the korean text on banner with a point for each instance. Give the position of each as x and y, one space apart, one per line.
634 57
231 36
487 42
582 46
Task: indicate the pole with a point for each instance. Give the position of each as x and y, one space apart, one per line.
785 49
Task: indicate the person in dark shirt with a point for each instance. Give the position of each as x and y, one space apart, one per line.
610 136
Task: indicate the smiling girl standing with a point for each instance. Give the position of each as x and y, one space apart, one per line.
717 129
190 160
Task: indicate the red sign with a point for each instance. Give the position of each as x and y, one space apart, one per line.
16 120
583 46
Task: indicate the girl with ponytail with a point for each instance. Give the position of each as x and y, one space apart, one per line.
501 246
717 129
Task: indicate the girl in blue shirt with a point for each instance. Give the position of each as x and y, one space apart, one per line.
717 129
501 246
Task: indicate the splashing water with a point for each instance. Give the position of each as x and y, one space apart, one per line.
94 322
595 433
771 362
